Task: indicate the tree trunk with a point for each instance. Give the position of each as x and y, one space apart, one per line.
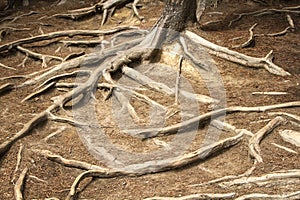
177 14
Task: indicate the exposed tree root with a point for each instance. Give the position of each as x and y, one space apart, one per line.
68 163
230 177
6 87
285 148
157 166
278 176
20 185
44 58
269 93
68 33
101 7
154 132
254 148
288 115
19 158
239 58
196 196
7 67
287 10
294 195
251 39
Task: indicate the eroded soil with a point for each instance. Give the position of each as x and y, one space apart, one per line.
48 179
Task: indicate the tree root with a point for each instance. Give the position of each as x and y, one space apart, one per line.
65 162
7 67
287 10
101 7
19 158
68 33
285 148
294 195
158 166
44 58
230 177
251 39
262 180
254 148
239 58
6 87
20 185
196 196
173 129
288 115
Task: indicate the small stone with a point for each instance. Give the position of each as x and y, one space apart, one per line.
291 136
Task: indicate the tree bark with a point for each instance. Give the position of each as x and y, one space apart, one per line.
177 14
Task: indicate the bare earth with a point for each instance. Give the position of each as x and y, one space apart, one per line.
47 179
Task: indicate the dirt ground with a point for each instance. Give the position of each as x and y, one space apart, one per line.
47 179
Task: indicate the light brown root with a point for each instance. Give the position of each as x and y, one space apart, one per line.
288 115
196 196
66 162
230 128
230 177
65 120
18 188
251 39
126 105
13 19
41 117
173 129
270 93
6 87
135 10
178 80
44 58
254 142
158 166
264 12
82 42
262 180
233 56
68 33
285 148
294 195
146 81
60 130
7 67
42 90
19 158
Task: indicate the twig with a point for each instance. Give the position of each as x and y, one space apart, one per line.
18 188
254 142
61 129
